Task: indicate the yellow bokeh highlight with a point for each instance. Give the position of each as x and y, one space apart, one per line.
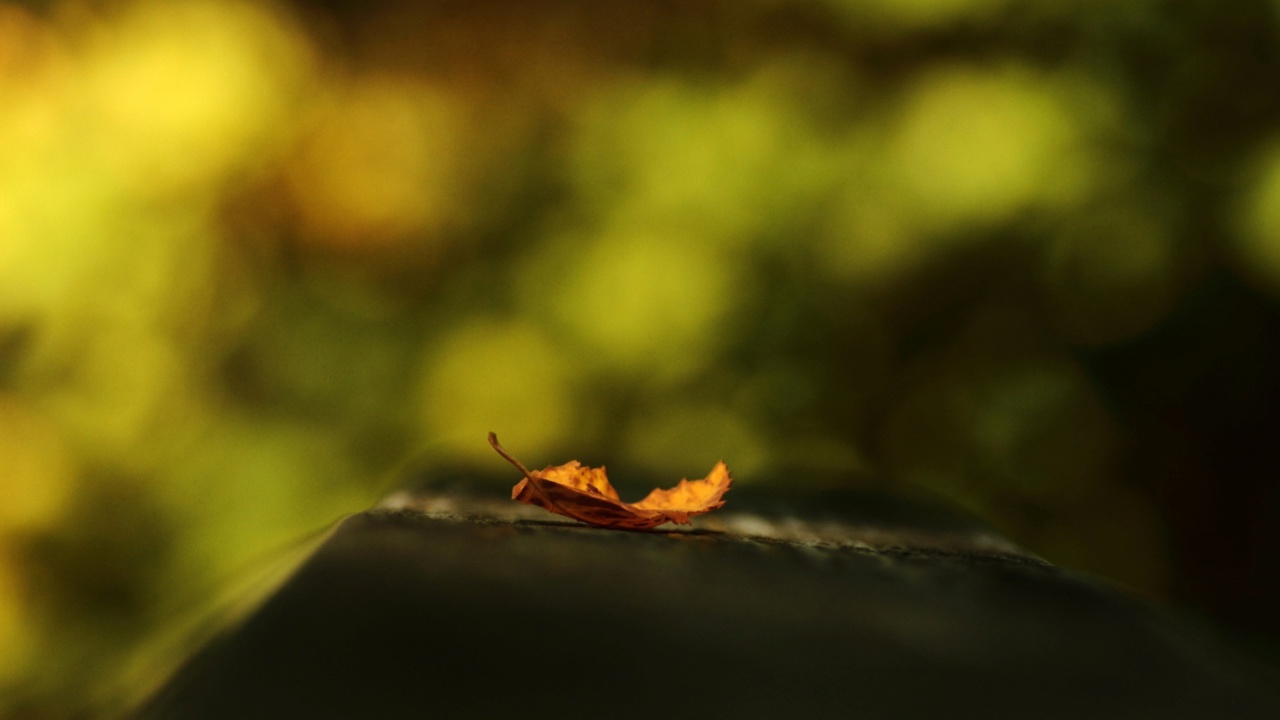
185 92
722 161
124 388
383 159
1256 245
113 152
37 469
975 145
505 377
110 165
964 150
640 301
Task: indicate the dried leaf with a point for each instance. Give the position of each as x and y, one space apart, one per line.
584 493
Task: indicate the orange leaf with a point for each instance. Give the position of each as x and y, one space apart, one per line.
584 493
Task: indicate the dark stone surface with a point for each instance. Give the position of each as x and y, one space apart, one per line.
444 604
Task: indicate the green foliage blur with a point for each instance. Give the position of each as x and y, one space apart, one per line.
256 257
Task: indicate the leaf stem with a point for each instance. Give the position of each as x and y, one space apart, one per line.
528 476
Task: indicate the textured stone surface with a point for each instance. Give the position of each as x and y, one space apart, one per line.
442 603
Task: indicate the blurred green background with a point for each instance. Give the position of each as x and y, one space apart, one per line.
257 259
